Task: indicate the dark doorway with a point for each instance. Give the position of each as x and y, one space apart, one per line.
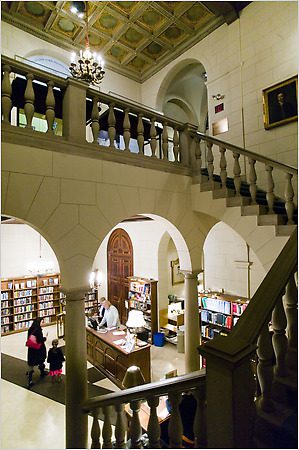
120 266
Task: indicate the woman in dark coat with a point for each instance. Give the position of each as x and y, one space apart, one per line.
36 356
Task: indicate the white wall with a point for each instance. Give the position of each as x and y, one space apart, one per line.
20 246
226 261
253 53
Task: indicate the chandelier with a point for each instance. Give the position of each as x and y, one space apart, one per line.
89 66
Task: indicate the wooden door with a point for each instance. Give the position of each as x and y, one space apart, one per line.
120 266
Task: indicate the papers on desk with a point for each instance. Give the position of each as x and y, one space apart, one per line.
127 346
118 333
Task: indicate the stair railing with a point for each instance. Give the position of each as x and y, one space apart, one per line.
212 170
266 333
111 409
139 136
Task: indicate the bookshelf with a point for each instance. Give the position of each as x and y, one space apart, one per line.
219 313
91 302
23 299
143 297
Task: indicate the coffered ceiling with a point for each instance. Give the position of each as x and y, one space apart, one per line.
135 38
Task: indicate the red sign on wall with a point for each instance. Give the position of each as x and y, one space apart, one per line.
219 108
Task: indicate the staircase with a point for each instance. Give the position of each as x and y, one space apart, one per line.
260 407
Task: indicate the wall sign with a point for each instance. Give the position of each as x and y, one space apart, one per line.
219 108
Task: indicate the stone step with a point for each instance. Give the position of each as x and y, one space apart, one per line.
271 219
209 186
285 230
223 193
253 210
237 201
277 429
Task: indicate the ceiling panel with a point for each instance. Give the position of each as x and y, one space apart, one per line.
136 39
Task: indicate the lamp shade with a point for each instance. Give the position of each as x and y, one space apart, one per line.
133 377
135 319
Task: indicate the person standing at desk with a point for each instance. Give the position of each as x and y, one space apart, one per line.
111 316
102 308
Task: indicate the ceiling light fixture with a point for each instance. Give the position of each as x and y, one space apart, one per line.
89 66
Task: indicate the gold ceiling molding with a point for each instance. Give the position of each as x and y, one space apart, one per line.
136 39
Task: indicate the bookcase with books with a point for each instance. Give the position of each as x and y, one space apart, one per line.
219 313
142 296
23 299
91 302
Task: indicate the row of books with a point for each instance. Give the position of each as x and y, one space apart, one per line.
5 329
22 309
216 305
4 320
216 318
5 312
46 290
143 288
23 285
47 312
46 305
24 293
238 308
45 297
5 305
210 333
140 306
24 316
22 325
4 296
23 301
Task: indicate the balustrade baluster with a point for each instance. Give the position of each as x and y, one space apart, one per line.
95 430
140 134
176 141
252 180
153 136
198 160
279 339
107 428
270 189
120 426
237 173
289 196
175 427
50 107
95 114
265 369
165 141
153 428
6 103
291 310
127 128
29 101
111 125
223 164
210 161
135 427
200 420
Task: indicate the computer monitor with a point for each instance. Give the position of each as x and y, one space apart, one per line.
93 323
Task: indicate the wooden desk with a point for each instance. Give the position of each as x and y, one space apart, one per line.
114 361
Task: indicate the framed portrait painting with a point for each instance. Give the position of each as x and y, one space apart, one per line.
280 103
177 277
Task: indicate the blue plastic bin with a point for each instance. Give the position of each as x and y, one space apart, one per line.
158 339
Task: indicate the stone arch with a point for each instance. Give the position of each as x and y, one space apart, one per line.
185 82
49 60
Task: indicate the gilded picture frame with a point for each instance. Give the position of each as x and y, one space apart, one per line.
177 277
280 103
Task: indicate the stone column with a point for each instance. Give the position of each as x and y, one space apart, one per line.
192 322
76 370
74 111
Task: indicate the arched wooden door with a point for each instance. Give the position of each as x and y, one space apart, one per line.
120 266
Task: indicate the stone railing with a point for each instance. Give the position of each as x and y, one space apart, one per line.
264 339
102 126
112 406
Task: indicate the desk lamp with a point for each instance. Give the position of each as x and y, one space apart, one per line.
135 321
